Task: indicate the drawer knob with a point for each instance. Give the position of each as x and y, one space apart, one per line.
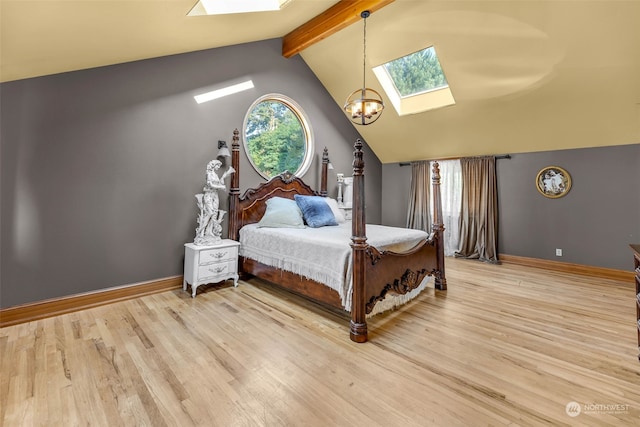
218 269
218 255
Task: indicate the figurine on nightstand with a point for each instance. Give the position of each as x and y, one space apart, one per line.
209 229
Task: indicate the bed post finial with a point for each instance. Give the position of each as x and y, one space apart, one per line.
234 190
358 327
325 168
435 173
358 162
438 228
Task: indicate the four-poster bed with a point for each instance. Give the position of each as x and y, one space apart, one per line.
373 274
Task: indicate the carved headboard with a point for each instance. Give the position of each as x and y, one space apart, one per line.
250 207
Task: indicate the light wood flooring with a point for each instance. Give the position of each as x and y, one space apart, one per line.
505 345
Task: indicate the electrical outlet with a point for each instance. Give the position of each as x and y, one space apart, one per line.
558 252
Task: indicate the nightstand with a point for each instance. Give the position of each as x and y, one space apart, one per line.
210 264
346 211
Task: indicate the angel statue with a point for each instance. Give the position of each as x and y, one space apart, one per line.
210 218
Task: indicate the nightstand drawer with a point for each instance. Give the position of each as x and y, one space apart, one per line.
212 271
347 213
218 255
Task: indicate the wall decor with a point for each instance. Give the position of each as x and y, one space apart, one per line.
553 182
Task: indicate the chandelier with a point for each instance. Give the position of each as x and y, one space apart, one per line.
364 106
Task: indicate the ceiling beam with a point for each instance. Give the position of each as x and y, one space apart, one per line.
332 20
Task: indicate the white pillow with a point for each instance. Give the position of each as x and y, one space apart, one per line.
282 213
333 204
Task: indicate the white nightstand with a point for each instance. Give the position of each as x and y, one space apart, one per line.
346 211
210 264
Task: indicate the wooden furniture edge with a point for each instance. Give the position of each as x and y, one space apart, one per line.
567 267
300 285
636 281
53 307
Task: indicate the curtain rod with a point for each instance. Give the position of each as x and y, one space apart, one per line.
501 156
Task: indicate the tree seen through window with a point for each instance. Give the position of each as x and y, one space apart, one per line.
276 140
416 73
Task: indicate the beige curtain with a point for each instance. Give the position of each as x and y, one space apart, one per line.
418 215
479 216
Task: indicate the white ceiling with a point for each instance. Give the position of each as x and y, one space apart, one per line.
526 75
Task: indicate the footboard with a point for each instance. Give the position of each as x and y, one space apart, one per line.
376 273
399 273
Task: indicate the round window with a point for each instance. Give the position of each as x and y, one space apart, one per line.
277 136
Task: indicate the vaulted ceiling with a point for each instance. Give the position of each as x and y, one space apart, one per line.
526 75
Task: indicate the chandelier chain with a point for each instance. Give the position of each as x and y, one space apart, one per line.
364 57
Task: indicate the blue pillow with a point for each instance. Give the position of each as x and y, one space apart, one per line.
315 211
281 213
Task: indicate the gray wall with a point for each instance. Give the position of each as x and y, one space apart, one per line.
396 183
593 224
100 167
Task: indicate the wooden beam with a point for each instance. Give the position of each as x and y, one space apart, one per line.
332 20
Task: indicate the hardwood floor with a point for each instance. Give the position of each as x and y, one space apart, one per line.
505 345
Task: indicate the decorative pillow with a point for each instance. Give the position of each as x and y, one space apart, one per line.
333 204
315 211
282 213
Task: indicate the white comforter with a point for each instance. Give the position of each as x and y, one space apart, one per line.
322 254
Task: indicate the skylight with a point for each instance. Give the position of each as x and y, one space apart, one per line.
415 82
416 73
221 7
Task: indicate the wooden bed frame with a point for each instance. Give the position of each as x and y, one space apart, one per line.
375 273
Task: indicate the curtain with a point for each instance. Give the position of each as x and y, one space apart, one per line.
479 216
418 214
421 201
451 192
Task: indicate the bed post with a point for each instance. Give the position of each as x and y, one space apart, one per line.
325 167
234 190
358 326
438 228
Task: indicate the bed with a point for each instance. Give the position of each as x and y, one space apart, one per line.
373 270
